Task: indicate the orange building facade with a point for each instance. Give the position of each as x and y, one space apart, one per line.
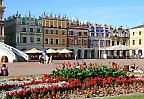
55 32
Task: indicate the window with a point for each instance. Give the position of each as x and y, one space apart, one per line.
102 43
92 29
79 42
102 34
56 41
31 39
139 41
101 30
31 29
124 43
80 34
24 29
96 44
113 43
107 43
24 40
106 30
117 42
107 35
140 52
133 33
51 31
72 42
38 40
46 31
133 42
97 34
85 33
56 31
46 41
38 30
71 33
63 41
139 32
92 34
51 41
63 32
97 30
85 42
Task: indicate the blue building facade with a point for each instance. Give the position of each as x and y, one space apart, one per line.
99 37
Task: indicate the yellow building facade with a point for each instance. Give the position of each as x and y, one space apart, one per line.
119 36
55 32
137 41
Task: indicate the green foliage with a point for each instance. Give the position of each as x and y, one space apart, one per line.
82 73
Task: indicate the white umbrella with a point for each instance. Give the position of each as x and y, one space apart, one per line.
65 51
33 50
51 51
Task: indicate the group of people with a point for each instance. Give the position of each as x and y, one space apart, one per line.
45 59
4 68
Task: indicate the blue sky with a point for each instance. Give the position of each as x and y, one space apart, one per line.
127 13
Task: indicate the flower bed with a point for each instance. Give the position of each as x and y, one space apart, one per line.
69 81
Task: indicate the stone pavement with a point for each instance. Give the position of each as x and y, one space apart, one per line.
32 68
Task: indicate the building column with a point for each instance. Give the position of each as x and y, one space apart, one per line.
89 53
82 53
3 31
19 38
115 53
142 53
96 54
108 53
121 53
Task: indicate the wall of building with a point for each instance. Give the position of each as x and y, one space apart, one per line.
55 32
2 20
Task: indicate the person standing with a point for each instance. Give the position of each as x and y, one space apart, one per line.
40 59
47 59
4 70
75 57
50 61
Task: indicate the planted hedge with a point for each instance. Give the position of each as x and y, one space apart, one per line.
87 71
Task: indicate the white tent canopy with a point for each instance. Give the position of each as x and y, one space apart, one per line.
58 51
64 51
51 51
33 50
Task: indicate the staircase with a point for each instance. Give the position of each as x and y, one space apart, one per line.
12 52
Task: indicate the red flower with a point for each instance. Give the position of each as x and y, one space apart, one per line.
7 93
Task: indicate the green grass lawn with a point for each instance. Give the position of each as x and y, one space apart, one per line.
3 77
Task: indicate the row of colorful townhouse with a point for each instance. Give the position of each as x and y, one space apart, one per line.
86 40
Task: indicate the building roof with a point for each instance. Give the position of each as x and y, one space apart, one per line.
140 26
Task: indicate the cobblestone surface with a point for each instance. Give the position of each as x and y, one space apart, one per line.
31 68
